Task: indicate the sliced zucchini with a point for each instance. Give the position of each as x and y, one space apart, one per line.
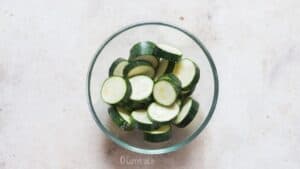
115 89
142 120
171 77
168 52
117 67
187 72
178 102
164 67
163 133
130 105
187 93
142 87
144 51
166 89
187 113
121 118
162 114
139 67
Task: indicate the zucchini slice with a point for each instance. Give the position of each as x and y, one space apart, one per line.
144 51
168 52
187 113
115 89
187 72
187 93
130 105
164 67
162 114
163 133
117 67
141 87
178 102
166 89
139 67
142 120
121 118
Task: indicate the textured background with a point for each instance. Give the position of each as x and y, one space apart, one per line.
47 45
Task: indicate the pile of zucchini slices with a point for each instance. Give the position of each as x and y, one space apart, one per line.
151 90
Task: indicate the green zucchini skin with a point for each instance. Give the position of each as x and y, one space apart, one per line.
164 67
146 48
191 114
146 127
131 105
142 48
114 66
118 120
188 90
167 55
128 91
195 80
148 136
170 67
139 105
150 71
161 121
186 93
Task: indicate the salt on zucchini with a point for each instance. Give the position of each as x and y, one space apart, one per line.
187 93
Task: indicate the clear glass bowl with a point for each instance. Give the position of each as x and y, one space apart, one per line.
118 45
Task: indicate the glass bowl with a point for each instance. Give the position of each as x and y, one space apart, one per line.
118 45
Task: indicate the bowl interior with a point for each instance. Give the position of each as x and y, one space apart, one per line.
118 45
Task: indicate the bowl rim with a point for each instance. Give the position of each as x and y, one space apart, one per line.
184 141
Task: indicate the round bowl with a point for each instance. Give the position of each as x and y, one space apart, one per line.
118 45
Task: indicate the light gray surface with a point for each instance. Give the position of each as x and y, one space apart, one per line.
46 47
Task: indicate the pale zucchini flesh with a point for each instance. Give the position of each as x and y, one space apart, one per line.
142 87
187 72
117 67
187 113
162 114
115 89
164 93
139 67
142 120
166 89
